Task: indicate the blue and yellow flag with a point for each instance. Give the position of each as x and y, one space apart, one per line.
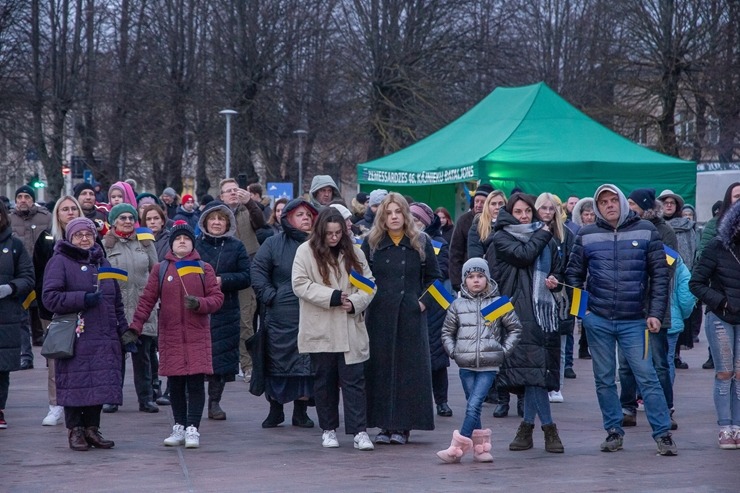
437 246
440 294
357 241
185 267
112 273
670 254
498 308
361 283
29 299
579 304
144 234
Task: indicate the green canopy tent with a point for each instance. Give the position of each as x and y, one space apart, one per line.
527 137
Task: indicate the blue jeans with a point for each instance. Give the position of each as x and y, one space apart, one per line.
724 341
604 336
658 344
476 385
536 403
672 341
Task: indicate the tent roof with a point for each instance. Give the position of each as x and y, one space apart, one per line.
529 125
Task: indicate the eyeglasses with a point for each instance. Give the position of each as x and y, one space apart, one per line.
126 218
72 208
334 234
82 235
230 190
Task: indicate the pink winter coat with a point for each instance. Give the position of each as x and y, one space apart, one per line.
184 335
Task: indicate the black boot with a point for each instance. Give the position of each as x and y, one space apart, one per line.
157 389
215 391
502 410
300 417
276 415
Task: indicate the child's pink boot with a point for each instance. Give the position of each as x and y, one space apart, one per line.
458 447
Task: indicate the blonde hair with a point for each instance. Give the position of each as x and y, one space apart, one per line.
558 231
379 229
485 218
57 231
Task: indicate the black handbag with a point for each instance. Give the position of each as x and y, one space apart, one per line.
60 337
256 346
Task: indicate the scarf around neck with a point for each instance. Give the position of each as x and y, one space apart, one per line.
543 302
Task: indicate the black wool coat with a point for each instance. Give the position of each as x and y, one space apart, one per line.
435 313
398 379
536 359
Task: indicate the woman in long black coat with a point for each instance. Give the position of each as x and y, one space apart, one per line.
228 257
527 269
288 375
16 281
398 374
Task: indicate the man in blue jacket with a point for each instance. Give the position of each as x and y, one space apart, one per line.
621 262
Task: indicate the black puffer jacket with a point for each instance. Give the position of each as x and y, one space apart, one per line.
230 261
716 276
435 313
271 279
16 270
536 359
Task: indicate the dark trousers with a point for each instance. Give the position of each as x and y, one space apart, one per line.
187 397
4 386
142 364
26 348
440 384
658 348
154 359
83 416
331 374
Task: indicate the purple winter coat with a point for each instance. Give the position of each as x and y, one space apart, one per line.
93 375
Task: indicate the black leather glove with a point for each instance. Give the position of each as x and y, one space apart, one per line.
192 303
93 299
129 337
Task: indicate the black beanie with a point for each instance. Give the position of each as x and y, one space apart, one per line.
483 190
26 189
80 187
644 198
180 229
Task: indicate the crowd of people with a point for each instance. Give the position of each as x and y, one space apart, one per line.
375 298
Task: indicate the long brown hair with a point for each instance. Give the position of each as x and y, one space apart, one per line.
379 229
325 259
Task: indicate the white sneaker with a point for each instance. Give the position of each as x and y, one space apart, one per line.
177 437
329 439
555 396
247 376
55 416
192 439
363 442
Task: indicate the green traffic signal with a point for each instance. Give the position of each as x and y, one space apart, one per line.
36 182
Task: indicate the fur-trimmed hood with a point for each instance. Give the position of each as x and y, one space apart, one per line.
220 206
576 216
729 227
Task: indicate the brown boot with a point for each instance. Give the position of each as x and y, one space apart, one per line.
523 438
77 439
95 439
552 439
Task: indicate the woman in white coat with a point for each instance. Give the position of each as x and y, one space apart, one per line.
332 324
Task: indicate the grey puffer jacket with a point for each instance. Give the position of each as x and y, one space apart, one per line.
474 342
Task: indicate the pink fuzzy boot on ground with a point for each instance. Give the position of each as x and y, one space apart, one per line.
458 447
482 446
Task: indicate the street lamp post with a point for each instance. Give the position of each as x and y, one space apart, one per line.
228 114
301 140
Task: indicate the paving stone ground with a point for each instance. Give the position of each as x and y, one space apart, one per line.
237 455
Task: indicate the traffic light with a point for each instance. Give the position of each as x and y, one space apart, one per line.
36 182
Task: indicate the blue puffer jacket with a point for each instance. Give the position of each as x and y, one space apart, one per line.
625 268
